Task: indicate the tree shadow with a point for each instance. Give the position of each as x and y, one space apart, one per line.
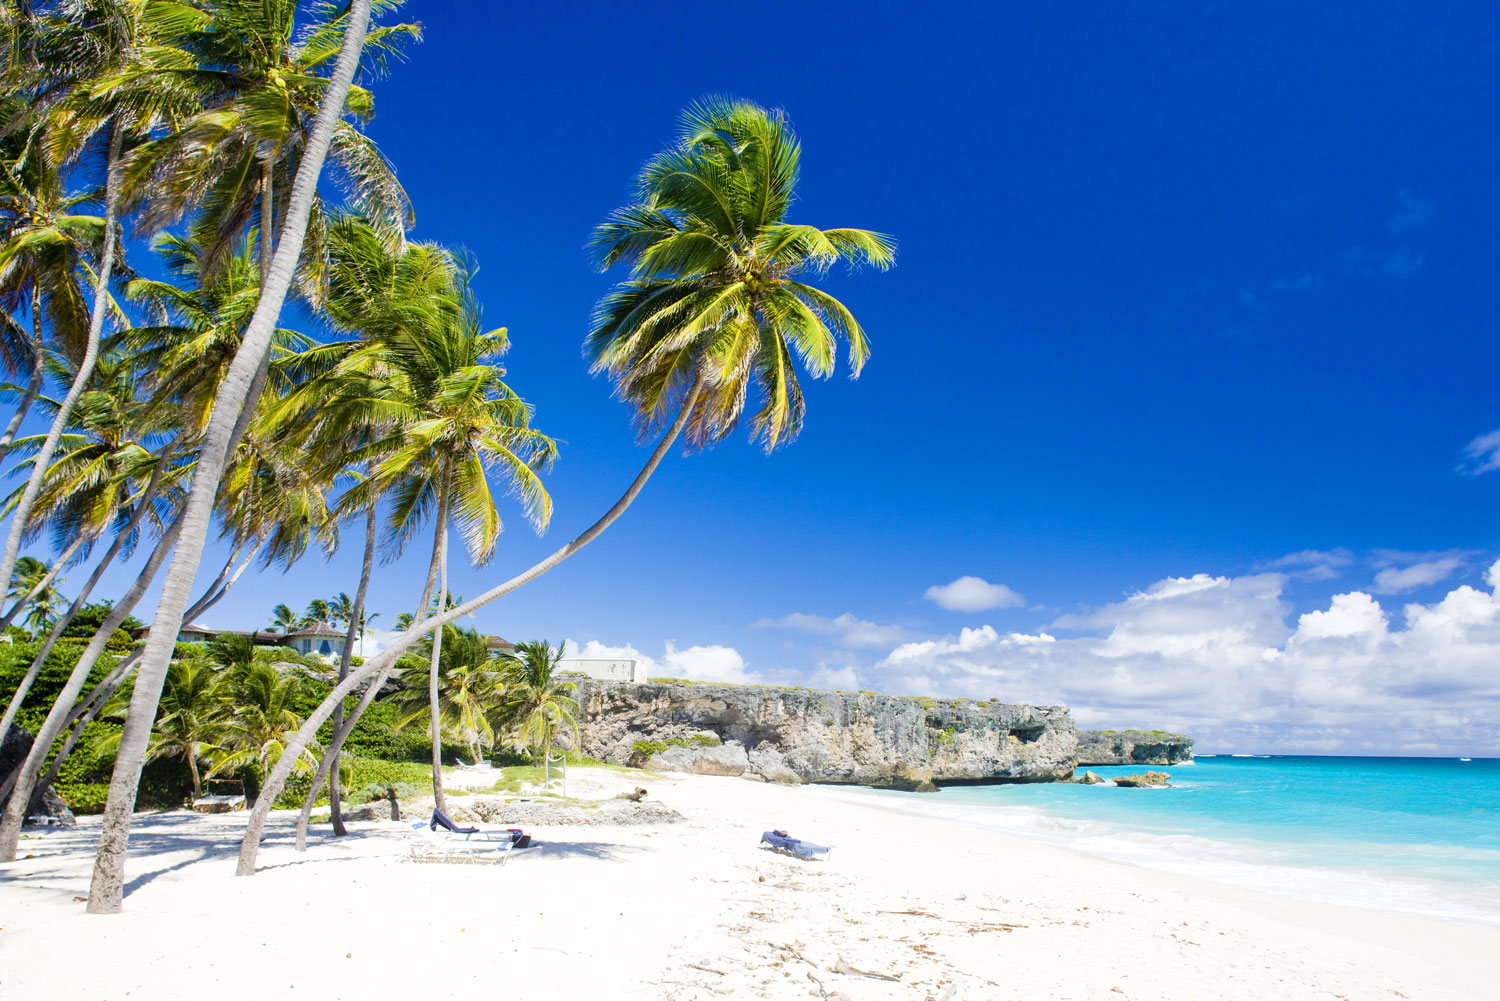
602 850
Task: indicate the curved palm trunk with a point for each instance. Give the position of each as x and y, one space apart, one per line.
106 890
380 666
356 614
33 387
62 623
89 707
85 371
41 585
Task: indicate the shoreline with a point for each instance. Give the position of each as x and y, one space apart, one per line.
1204 860
696 910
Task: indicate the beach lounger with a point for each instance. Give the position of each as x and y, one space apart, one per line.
427 845
510 835
783 842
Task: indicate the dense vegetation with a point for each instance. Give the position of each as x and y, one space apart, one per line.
178 406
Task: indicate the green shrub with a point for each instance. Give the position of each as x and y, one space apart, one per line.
647 748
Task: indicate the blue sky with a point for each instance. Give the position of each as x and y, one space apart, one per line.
1181 291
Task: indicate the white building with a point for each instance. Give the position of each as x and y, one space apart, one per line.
604 669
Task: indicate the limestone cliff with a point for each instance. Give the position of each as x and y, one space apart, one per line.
812 735
1132 747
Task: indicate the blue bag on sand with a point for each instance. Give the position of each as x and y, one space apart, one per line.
782 841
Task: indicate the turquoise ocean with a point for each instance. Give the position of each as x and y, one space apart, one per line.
1411 835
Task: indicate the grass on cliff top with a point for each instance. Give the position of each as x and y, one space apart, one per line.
926 701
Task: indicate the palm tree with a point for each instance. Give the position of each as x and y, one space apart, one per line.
256 733
318 610
233 652
748 157
422 408
107 887
194 709
92 53
232 161
283 618
541 703
340 609
189 350
41 599
470 690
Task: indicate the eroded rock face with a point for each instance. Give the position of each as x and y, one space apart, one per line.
812 735
1132 747
724 759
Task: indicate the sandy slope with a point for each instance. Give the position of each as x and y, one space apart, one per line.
694 910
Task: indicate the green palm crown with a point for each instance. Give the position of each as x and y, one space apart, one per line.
714 302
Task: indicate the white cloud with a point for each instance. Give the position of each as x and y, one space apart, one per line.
698 663
374 641
973 594
846 630
1482 455
1395 580
1221 658
1312 564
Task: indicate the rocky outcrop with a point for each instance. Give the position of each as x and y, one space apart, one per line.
44 802
1089 779
813 735
1145 780
1132 747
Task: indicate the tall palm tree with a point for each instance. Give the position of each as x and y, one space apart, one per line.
422 408
748 156
106 890
540 703
195 705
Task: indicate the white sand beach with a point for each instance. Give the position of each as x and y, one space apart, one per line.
692 910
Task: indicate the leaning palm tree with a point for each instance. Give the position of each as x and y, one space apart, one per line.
106 890
747 157
540 703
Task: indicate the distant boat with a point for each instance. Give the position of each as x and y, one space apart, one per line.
1465 759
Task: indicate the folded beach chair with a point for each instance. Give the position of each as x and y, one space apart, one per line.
511 835
427 845
783 842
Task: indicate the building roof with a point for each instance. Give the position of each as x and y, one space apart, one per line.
498 643
318 629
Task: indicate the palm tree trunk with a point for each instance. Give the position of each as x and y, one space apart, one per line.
193 768
379 666
41 585
33 387
89 707
341 733
267 215
78 602
106 890
440 553
22 515
356 613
